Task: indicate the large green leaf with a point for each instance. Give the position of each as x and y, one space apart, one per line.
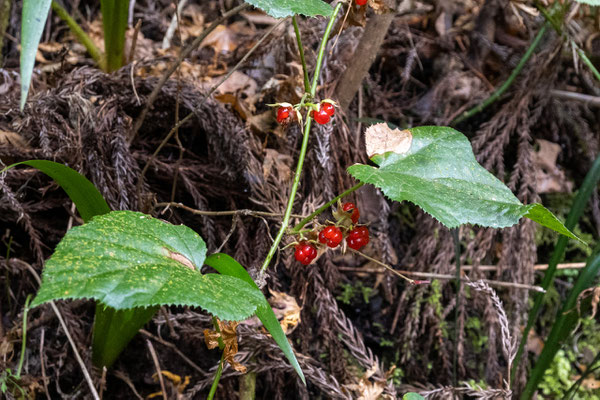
288 8
227 265
440 174
81 191
127 259
33 20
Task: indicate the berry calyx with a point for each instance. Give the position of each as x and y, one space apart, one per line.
361 2
305 252
331 235
321 116
350 207
283 114
328 107
358 237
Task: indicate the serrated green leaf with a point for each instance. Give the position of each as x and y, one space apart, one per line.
440 174
227 265
288 8
33 20
127 259
81 191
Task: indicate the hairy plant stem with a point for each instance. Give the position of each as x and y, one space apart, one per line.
500 91
301 51
324 207
296 182
83 37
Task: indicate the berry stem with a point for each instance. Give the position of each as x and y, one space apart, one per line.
324 207
290 204
301 50
389 268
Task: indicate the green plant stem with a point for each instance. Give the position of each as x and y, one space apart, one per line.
215 384
583 195
24 343
83 37
301 50
500 91
456 240
589 63
324 207
296 182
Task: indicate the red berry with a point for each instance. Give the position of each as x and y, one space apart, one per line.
283 114
347 207
331 235
358 237
321 116
361 2
329 108
305 252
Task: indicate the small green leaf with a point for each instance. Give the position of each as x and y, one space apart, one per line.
288 8
33 20
590 2
81 191
440 174
127 259
227 265
412 396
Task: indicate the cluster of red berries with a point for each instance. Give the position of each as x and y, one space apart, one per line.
324 113
332 235
321 113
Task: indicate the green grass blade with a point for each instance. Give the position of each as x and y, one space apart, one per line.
35 13
226 265
81 191
114 19
582 198
563 326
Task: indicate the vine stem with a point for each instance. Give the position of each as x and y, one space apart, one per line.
319 210
301 50
296 182
500 91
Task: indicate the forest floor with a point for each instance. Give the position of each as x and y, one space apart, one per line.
358 331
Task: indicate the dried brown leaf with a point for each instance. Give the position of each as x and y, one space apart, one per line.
227 334
380 139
